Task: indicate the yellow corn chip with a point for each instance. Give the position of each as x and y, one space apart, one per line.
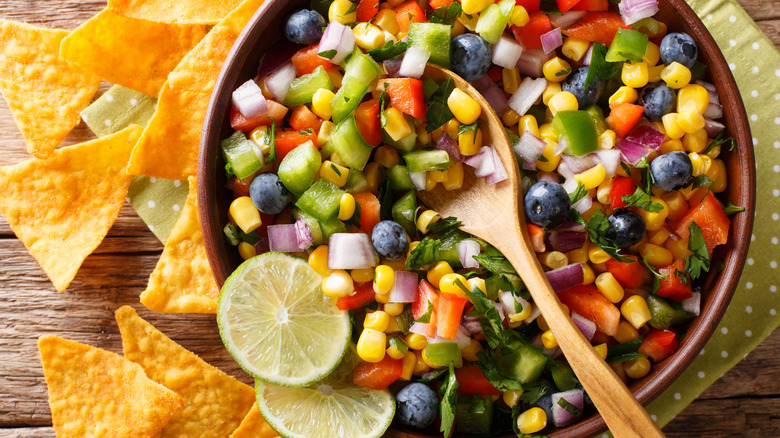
175 11
137 54
45 93
62 207
169 146
214 403
254 426
97 393
182 282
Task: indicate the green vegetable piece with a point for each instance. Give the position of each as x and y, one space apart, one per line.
562 375
231 234
422 160
303 88
321 200
628 45
494 19
449 401
578 130
314 225
404 212
359 70
347 141
389 51
595 113
405 144
442 353
525 363
298 168
433 38
399 178
665 313
330 226
356 182
438 112
475 415
239 153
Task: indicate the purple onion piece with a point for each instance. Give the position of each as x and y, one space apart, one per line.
713 111
713 128
551 40
610 159
421 328
586 326
529 148
283 238
303 234
499 172
496 98
467 249
392 66
404 288
531 63
565 277
350 251
631 152
646 135
580 163
262 246
275 57
448 145
471 324
561 416
565 241
692 304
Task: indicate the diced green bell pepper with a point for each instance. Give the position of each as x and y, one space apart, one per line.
562 375
298 168
399 178
321 200
665 313
594 111
331 226
303 88
433 38
347 141
494 19
525 363
448 250
404 212
356 182
314 224
475 415
441 354
579 130
405 144
360 69
628 45
239 153
422 160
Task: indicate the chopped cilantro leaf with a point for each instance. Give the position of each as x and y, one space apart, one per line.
731 209
449 402
328 54
599 66
597 227
570 408
623 352
652 269
426 317
466 128
389 50
495 374
700 259
438 111
446 14
579 193
271 135
641 199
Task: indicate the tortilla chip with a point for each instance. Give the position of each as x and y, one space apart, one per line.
175 11
182 282
214 403
137 54
170 144
62 207
96 393
254 426
45 93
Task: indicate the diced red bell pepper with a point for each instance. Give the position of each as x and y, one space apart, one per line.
367 9
369 211
709 216
673 287
276 111
566 5
448 314
289 139
407 13
367 120
425 294
621 186
434 4
302 119
495 73
378 375
473 382
529 5
623 117
591 5
406 95
529 35
306 60
630 275
364 294
597 26
241 186
586 300
659 344
536 234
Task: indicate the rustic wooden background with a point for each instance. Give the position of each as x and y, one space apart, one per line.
117 272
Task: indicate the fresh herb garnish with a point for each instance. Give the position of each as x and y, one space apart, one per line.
641 199
570 408
426 317
642 164
438 111
699 260
466 128
444 226
389 50
449 402
652 269
433 376
684 279
385 199
599 66
446 14
563 72
597 227
383 96
271 136
328 54
623 352
425 255
306 131
625 168
700 181
720 140
492 326
399 345
495 374
731 209
578 194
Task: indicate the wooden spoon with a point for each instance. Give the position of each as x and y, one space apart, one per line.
495 214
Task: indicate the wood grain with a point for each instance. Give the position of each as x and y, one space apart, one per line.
744 402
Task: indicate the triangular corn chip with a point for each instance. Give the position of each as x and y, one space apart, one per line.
214 403
137 54
97 393
45 93
169 146
62 207
182 282
175 11
254 426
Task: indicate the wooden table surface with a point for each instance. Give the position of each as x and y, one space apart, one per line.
118 270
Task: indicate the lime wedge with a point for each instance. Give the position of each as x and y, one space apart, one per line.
278 325
333 407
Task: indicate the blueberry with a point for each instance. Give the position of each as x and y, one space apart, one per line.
671 171
546 404
546 204
658 100
417 405
573 84
471 56
268 193
305 27
390 241
626 228
679 47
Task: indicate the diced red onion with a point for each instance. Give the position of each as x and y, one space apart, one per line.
499 173
303 234
570 226
712 127
692 304
586 326
565 20
548 176
471 324
565 241
276 55
713 92
566 277
564 171
500 309
448 145
339 38
413 64
495 97
392 66
476 160
535 313
283 238
419 179
351 251
482 83
404 288
713 111
551 40
467 249
588 55
462 338
646 135
529 148
631 152
258 151
580 163
575 397
525 182
248 99
506 52
279 81
262 246
532 61
421 328
610 159
634 10
570 185
509 301
526 94
583 204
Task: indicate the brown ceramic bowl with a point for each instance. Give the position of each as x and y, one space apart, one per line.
263 33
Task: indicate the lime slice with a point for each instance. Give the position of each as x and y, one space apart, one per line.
278 325
333 407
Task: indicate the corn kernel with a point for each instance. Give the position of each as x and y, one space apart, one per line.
553 259
532 420
510 117
655 220
601 349
394 352
637 368
634 309
719 178
588 276
393 309
676 75
320 103
246 250
423 136
430 182
563 101
424 354
635 75
654 73
592 177
387 156
626 332
696 141
548 340
468 20
452 127
511 397
550 90
670 126
454 177
368 36
334 173
420 367
579 255
469 352
373 176
519 16
652 54
384 277
714 151
552 158
396 127
678 248
656 255
470 142
693 97
609 287
463 107
415 341
362 275
262 138
528 123
701 163
597 255
346 207
547 133
245 214
556 70
623 94
376 320
318 260
658 237
326 130
574 48
448 284
382 298
523 314
457 29
338 11
338 284
472 7
671 145
510 78
408 363
387 20
371 345
425 219
607 139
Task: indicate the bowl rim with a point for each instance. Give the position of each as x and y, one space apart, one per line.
702 328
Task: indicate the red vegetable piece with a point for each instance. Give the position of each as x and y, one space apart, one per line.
495 73
673 287
566 5
536 234
623 117
425 294
364 294
302 119
434 4
659 344
473 382
589 302
407 13
367 9
621 186
529 35
709 216
369 211
448 314
529 5
597 26
630 275
367 120
288 140
591 5
378 375
276 111
306 60
406 95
